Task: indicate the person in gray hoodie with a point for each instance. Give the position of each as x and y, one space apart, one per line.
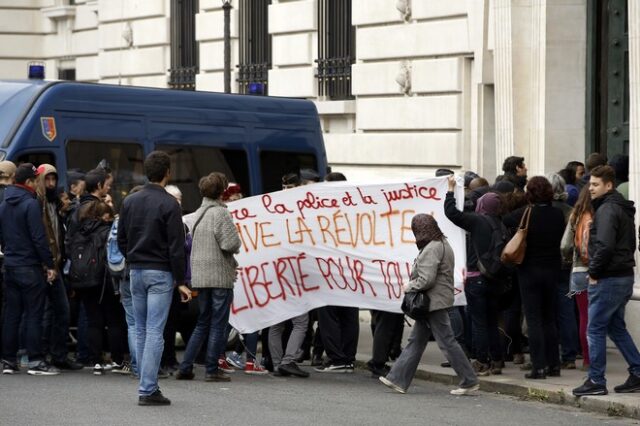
432 273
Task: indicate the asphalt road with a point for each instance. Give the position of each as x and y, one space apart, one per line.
79 398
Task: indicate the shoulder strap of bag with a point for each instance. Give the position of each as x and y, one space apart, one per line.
195 225
524 221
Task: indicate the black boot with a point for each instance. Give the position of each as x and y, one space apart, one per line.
554 371
536 375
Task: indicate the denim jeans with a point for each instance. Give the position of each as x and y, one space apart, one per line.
151 292
25 292
56 321
566 318
482 305
214 305
127 303
251 345
607 301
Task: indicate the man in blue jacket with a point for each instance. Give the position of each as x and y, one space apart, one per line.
26 251
151 236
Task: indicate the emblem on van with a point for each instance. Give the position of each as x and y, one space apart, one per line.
48 126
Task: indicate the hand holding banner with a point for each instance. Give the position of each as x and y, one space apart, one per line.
333 243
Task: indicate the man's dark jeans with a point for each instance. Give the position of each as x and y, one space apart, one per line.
25 290
607 302
56 321
566 317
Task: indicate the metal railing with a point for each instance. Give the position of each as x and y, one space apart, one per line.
255 46
183 78
336 49
184 47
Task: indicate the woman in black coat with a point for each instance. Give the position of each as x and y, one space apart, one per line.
538 275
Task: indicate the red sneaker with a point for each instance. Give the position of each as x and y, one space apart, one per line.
252 367
224 366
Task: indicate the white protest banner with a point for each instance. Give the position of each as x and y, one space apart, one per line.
334 243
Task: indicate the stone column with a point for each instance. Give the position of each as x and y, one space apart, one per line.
503 68
633 310
634 98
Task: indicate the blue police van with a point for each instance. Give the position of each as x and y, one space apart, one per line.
253 140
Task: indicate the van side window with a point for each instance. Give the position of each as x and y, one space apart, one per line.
124 159
275 164
37 158
190 163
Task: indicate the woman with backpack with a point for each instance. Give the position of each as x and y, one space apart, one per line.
574 246
538 274
92 283
487 236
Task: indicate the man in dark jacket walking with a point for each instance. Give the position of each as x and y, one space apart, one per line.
26 250
612 246
151 235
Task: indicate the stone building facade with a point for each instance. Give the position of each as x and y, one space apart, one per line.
435 83
430 83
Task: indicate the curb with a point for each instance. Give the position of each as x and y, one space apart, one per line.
600 405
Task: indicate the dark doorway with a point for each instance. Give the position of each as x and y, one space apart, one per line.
608 77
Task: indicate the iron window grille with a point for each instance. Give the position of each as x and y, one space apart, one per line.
336 49
67 74
255 47
184 47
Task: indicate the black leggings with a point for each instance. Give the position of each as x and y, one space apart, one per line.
104 309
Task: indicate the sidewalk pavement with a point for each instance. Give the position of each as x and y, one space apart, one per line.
556 390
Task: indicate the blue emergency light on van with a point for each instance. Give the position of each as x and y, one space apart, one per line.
254 140
36 70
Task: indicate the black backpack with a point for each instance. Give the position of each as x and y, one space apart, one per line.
489 263
88 259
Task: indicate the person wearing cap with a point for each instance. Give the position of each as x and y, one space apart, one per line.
309 176
76 182
26 250
282 351
57 316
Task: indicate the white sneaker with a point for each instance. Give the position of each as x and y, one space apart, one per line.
98 370
465 391
391 385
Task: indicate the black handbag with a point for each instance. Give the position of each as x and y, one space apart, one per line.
415 305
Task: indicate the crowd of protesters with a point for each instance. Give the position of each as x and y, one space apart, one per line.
65 249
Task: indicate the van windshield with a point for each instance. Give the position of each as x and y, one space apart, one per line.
15 98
